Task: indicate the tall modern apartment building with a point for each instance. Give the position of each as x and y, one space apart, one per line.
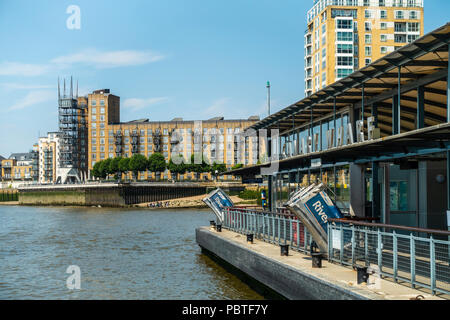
343 36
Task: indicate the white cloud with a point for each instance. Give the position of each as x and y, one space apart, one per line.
22 69
108 59
20 86
89 57
138 104
218 108
33 98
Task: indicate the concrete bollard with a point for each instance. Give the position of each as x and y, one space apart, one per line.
219 228
362 275
284 250
317 260
250 238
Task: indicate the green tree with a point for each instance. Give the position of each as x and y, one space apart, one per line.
157 164
177 167
138 163
218 168
237 166
124 165
95 172
198 168
104 168
114 167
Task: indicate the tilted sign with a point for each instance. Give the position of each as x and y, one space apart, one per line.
314 207
218 200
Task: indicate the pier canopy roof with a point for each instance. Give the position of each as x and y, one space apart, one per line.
407 93
425 61
417 143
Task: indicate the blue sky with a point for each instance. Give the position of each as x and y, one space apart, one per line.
194 59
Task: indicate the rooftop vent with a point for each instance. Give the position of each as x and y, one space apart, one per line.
217 119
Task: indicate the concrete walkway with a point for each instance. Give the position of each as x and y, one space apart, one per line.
341 280
9 203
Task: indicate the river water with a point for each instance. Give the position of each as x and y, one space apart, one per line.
121 253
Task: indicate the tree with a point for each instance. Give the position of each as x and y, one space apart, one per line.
96 169
217 169
198 168
114 167
104 168
178 167
157 164
138 163
237 166
124 165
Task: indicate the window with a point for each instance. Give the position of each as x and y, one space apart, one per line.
342 73
102 110
383 38
368 51
399 15
345 36
367 14
344 24
412 37
368 26
102 102
368 38
413 15
368 61
413 27
400 38
94 103
383 50
344 48
93 110
383 26
344 61
383 14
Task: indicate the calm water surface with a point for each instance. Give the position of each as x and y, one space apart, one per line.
122 254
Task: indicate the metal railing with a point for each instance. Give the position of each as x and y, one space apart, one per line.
275 228
419 257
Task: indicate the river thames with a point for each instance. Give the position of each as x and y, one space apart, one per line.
122 254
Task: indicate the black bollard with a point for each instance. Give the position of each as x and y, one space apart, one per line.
317 260
250 238
219 228
362 275
284 250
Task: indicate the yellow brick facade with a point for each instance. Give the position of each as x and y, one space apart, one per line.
377 31
12 171
105 127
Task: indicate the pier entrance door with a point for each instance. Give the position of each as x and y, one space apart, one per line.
402 199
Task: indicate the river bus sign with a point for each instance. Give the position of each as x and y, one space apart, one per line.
218 200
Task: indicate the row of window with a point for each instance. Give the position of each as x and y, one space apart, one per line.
94 103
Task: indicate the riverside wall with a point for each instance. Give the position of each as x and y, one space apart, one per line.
107 195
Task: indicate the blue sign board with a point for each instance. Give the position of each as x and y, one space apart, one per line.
322 208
